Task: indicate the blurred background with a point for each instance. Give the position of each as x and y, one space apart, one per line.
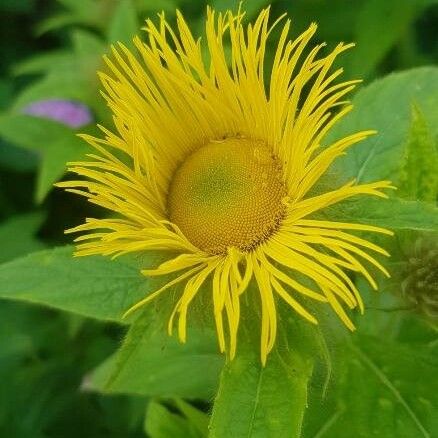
50 52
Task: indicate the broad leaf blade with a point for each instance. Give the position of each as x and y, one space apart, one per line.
394 214
152 363
385 105
384 388
256 401
56 143
94 286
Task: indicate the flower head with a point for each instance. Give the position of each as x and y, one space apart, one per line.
219 167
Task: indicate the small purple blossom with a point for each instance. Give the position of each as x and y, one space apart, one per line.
70 113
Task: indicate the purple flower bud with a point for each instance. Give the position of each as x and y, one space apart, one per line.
70 113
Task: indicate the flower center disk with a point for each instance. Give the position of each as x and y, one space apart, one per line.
228 194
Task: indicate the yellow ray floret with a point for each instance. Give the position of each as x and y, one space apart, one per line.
214 160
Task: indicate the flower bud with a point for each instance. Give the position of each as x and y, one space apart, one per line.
420 277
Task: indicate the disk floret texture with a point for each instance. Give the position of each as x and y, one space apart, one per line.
213 162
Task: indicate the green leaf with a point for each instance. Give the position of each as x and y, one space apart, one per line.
16 158
256 401
384 388
251 7
82 12
393 213
385 105
41 368
124 24
54 85
380 24
6 92
94 286
41 62
17 235
79 6
196 417
55 22
56 142
73 76
87 43
154 364
419 179
161 423
145 6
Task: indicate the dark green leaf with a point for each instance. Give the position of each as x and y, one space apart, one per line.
83 12
6 92
41 368
17 236
161 423
55 22
196 417
16 158
379 26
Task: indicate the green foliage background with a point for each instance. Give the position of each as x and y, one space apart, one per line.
70 367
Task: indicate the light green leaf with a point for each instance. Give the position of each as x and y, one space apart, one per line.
56 143
124 23
419 179
95 286
256 401
393 213
385 105
146 6
42 62
161 423
86 43
251 7
154 364
79 6
69 85
17 235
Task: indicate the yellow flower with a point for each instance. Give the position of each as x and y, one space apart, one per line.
215 164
